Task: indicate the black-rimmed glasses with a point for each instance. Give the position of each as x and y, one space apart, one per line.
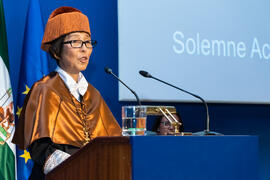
79 43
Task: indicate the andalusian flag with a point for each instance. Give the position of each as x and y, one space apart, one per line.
7 149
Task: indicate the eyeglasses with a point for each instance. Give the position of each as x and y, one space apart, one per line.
165 123
79 43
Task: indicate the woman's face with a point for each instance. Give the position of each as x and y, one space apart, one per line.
165 127
74 60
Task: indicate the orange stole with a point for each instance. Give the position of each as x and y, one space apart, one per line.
50 110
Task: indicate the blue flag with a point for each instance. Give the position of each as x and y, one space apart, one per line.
34 66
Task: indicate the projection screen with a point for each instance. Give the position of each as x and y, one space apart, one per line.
219 50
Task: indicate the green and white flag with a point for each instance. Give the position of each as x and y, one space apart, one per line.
7 119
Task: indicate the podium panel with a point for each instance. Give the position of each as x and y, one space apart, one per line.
195 157
102 159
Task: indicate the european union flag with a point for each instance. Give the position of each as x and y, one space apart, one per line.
34 66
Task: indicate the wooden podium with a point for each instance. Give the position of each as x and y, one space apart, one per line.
104 158
163 157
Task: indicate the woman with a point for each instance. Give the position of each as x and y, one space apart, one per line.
164 127
63 112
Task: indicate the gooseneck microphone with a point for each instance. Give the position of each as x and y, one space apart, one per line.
207 130
109 71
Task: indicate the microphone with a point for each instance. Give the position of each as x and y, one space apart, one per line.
145 74
207 130
109 71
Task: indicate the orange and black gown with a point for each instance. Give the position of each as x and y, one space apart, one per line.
52 118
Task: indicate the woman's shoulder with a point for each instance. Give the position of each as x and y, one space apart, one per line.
92 89
47 82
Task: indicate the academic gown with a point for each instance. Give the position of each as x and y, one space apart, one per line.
52 118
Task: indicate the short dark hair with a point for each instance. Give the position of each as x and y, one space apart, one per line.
56 48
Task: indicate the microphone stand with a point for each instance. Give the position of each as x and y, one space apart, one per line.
207 123
109 71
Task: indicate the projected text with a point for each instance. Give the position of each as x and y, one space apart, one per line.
202 46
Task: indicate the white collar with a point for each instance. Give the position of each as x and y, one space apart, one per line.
76 89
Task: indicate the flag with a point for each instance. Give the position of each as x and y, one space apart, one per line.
34 65
7 126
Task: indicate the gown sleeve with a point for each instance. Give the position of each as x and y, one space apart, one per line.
110 124
38 115
41 149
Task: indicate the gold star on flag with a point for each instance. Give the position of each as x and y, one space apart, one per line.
26 156
27 89
19 110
